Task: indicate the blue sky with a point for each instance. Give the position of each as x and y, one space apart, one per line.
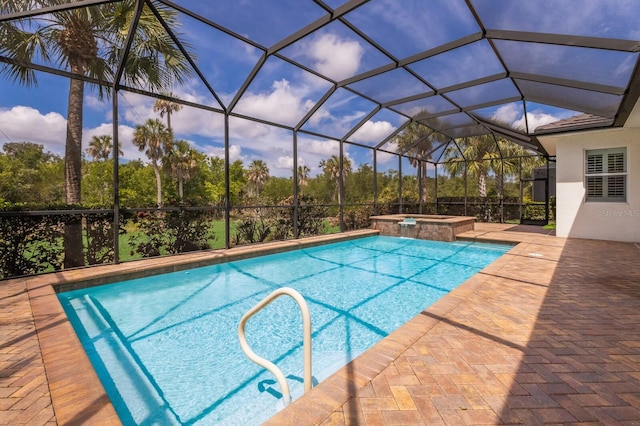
283 93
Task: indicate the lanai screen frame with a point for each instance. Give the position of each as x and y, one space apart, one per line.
628 95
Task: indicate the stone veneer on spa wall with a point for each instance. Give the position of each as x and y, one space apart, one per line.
423 227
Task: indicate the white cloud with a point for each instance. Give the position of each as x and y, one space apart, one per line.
373 131
335 57
235 152
311 151
512 115
189 121
95 103
324 147
385 158
336 126
285 163
321 114
536 119
23 123
283 104
507 113
193 121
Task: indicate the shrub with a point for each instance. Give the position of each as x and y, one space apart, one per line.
357 217
31 238
170 232
30 245
251 230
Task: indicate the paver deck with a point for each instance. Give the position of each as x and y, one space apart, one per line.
547 334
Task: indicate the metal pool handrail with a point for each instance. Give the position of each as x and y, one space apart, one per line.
306 343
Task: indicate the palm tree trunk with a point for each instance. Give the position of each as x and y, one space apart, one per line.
73 147
482 192
482 184
500 184
180 192
156 170
73 246
423 183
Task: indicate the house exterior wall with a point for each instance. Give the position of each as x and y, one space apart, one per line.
596 220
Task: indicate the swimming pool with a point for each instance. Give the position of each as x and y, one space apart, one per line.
166 348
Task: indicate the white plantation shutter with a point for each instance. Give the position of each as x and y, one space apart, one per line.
606 175
616 187
594 163
594 187
615 162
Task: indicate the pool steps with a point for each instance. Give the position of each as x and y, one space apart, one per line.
306 323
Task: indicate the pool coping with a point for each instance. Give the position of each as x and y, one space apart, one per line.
332 393
77 395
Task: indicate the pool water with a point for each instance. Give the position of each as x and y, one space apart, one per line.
166 347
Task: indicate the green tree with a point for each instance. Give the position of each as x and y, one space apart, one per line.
257 175
136 184
195 186
154 139
214 187
450 186
509 163
30 154
28 174
360 188
331 169
166 107
97 188
100 147
88 42
303 177
277 189
518 162
180 162
416 141
479 154
388 189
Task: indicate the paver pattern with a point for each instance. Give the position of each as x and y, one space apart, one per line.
547 334
24 391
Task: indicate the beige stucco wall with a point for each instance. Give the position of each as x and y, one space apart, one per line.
596 220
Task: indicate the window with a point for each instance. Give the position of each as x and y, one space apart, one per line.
606 175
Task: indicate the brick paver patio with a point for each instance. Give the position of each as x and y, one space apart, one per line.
547 334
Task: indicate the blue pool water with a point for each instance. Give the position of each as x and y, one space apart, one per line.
166 347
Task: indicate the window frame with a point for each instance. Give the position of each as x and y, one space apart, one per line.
605 174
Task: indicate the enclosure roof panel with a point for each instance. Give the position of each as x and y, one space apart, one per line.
346 69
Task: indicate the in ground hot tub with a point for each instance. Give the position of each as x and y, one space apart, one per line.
424 227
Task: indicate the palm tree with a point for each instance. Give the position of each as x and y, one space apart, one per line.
156 139
480 154
88 42
180 163
100 147
257 174
166 107
331 168
303 177
511 157
416 141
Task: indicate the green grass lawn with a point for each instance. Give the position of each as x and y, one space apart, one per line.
216 242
